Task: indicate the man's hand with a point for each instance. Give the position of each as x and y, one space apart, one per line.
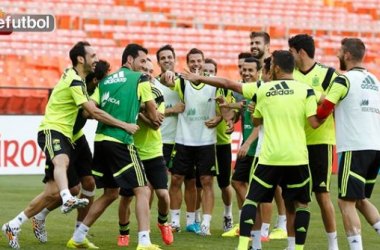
192 77
251 107
213 122
131 128
230 127
243 150
179 108
168 78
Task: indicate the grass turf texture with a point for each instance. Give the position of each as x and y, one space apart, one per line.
17 191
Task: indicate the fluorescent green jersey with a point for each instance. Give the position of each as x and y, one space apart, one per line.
284 106
221 137
320 78
147 140
65 100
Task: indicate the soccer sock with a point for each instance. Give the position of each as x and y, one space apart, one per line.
80 233
190 218
376 226
175 215
124 228
198 216
265 229
206 220
228 211
301 224
333 240
256 239
162 218
247 218
65 195
281 222
291 243
355 242
42 215
77 224
144 238
243 243
18 220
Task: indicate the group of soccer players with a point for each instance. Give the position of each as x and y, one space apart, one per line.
182 122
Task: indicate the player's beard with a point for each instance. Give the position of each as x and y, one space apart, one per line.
342 64
87 67
259 55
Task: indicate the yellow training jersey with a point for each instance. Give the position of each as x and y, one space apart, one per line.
320 78
65 100
284 106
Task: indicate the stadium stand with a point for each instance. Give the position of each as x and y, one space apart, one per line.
31 64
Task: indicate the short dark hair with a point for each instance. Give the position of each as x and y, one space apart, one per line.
101 69
78 50
132 49
165 47
262 34
244 55
303 41
284 59
355 47
267 63
192 52
209 60
253 60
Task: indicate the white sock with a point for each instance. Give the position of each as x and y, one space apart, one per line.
239 214
291 243
355 242
80 233
333 240
144 238
265 229
42 215
198 215
18 220
228 211
65 195
206 219
256 239
281 222
190 218
376 226
77 224
175 215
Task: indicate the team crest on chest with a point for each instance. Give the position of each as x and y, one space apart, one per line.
315 81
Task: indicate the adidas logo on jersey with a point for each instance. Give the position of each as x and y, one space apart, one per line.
280 89
116 78
369 83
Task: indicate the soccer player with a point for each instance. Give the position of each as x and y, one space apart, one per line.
174 106
319 141
149 147
355 96
292 104
116 162
79 170
223 155
194 140
55 136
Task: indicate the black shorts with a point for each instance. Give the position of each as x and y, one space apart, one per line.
320 163
167 150
53 143
223 159
117 165
80 162
357 174
243 169
156 174
294 180
187 158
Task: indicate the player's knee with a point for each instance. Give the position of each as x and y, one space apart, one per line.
88 184
75 190
162 194
207 181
